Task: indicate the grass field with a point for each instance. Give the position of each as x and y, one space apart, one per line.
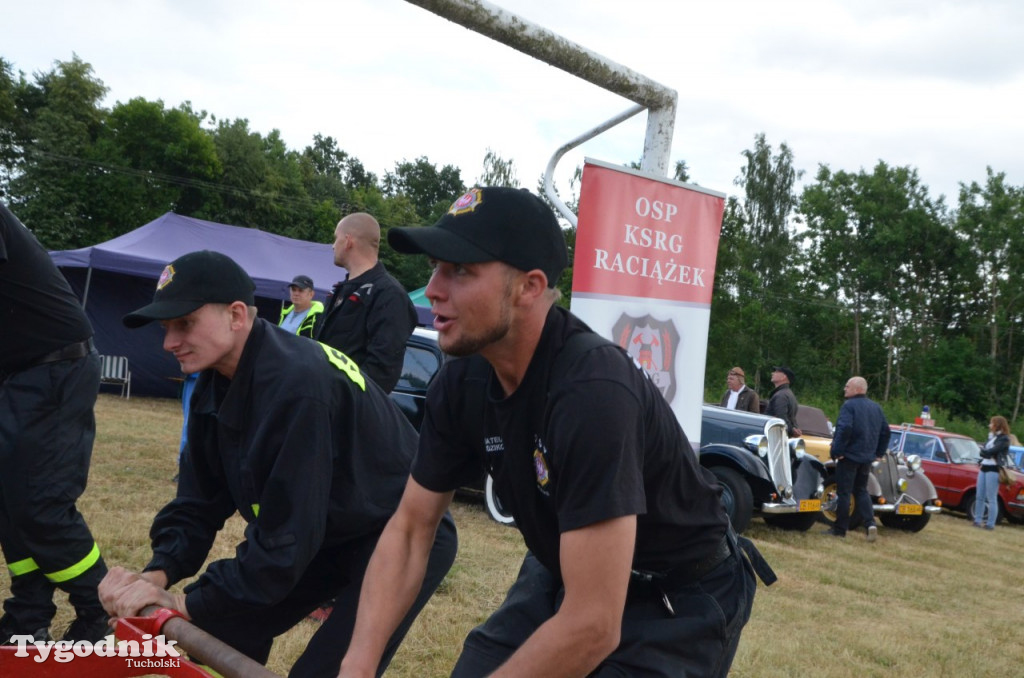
945 602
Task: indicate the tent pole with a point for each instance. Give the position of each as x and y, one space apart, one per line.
88 279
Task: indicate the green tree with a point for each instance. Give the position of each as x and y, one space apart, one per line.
261 183
991 220
61 118
877 245
152 160
430 189
753 297
498 171
9 121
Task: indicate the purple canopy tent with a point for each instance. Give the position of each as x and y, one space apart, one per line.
117 276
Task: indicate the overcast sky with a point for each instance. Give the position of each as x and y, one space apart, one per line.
933 84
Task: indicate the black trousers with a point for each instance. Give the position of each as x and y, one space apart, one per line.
47 429
700 639
852 480
339 576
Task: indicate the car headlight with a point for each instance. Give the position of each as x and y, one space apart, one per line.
902 484
914 462
797 446
759 443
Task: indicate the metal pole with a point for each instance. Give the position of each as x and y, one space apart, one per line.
527 37
549 173
200 645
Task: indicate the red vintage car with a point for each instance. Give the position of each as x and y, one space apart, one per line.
950 461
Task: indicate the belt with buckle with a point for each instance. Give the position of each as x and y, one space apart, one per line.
74 351
687 573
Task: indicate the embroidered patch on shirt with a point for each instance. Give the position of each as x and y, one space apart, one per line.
541 468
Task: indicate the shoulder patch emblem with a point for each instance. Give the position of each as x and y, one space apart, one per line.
166 276
541 468
467 202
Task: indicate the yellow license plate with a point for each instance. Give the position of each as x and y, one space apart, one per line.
810 505
910 509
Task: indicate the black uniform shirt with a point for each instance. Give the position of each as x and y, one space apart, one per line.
604 444
38 311
309 451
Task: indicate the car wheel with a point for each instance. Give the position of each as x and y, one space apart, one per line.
828 504
736 496
967 505
906 523
797 522
494 508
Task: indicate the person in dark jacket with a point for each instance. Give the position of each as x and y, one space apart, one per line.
739 396
293 436
49 376
782 401
861 436
994 455
369 315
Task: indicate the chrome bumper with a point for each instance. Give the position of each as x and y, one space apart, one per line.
891 508
783 507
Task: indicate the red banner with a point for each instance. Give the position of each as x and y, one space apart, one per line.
643 272
640 237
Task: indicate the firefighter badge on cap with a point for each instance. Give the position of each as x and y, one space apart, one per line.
467 202
166 276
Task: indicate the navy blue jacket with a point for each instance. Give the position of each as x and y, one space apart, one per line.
862 433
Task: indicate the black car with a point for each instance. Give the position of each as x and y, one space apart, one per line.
760 468
423 359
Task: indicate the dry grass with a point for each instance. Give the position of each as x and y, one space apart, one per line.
943 602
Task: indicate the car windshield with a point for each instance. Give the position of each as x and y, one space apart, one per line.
962 450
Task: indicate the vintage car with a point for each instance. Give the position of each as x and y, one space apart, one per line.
760 468
901 492
816 431
951 461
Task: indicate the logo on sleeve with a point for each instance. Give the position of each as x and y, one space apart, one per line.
540 467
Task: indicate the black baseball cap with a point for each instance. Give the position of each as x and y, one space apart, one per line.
786 371
191 281
493 223
302 282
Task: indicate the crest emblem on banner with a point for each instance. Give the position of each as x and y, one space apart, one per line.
653 344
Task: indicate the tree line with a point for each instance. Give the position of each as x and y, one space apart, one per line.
857 273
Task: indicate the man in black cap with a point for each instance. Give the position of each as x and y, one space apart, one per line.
301 317
369 315
632 568
49 376
782 401
290 434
